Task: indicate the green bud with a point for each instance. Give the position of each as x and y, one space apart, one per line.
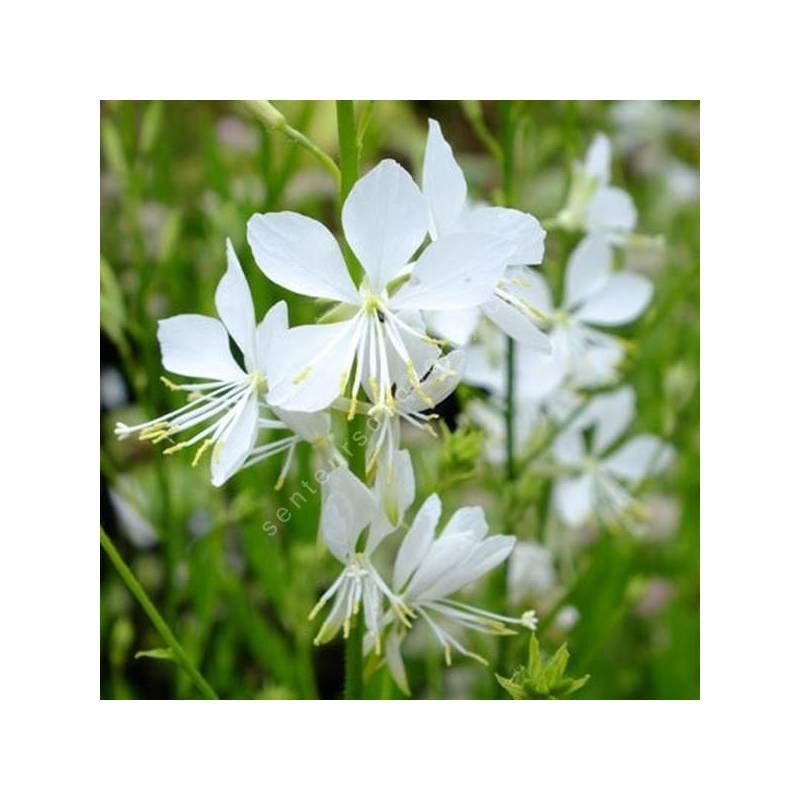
543 678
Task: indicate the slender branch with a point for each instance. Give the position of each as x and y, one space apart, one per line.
507 140
158 621
272 119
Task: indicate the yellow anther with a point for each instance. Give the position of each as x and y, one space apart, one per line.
170 384
531 309
435 342
412 377
373 385
174 449
351 412
520 282
303 374
199 454
431 430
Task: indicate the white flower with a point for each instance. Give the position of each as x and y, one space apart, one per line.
427 570
597 479
593 205
348 508
594 295
224 410
385 221
530 572
445 190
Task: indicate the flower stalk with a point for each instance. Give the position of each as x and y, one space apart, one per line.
349 158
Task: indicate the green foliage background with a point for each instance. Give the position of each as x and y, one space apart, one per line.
176 179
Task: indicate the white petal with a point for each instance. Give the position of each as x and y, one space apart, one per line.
198 347
597 163
442 379
485 556
611 209
269 336
300 254
588 269
516 324
530 286
538 374
385 220
624 297
233 448
443 183
394 661
445 554
612 414
641 456
568 448
417 542
455 326
347 509
460 270
310 369
394 486
311 427
573 499
482 370
235 307
522 230
467 521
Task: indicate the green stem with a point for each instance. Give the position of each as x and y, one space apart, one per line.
348 146
158 621
271 118
348 159
507 146
507 163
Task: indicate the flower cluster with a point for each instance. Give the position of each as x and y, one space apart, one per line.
423 296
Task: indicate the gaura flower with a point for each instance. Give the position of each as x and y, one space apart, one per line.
225 407
383 340
348 508
449 212
597 479
594 295
593 205
427 570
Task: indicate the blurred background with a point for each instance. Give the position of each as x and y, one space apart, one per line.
177 178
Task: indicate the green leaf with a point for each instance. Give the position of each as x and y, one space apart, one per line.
517 692
163 653
151 125
112 305
114 151
554 670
